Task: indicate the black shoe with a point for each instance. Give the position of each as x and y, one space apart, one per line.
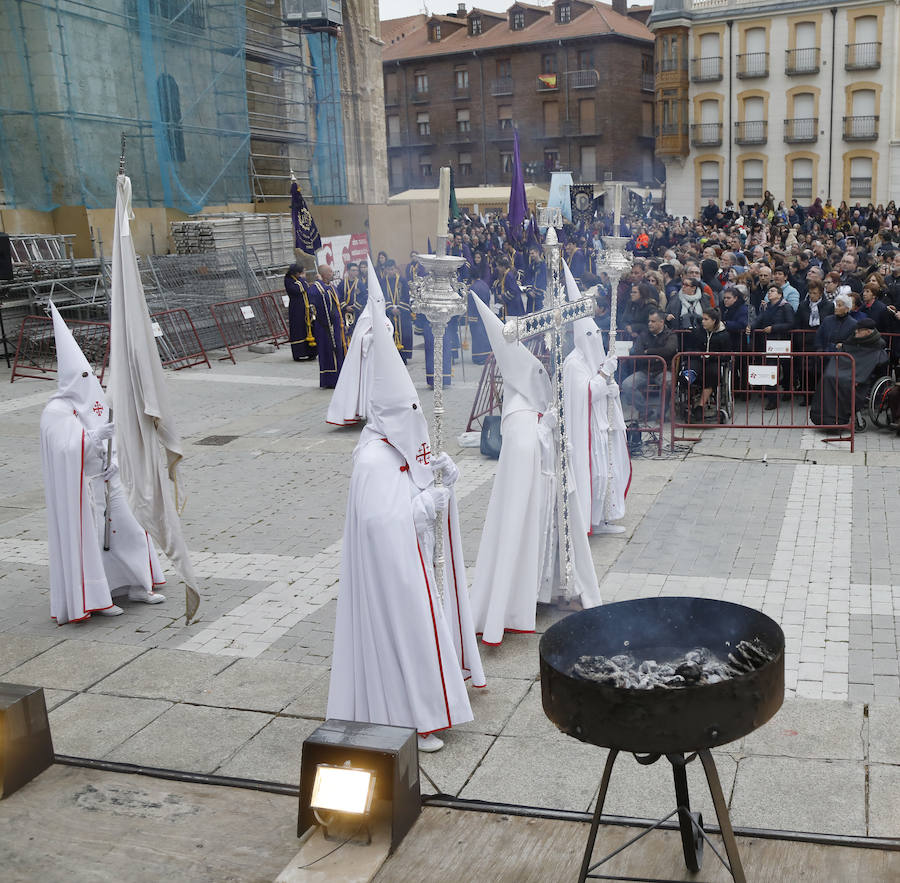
771 405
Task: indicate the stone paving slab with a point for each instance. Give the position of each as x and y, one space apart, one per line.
767 794
91 725
884 734
191 737
493 704
172 674
73 665
15 650
448 771
884 801
273 754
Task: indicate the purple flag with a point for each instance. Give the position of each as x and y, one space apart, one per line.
306 233
518 205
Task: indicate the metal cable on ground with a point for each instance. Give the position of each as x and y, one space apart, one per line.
469 805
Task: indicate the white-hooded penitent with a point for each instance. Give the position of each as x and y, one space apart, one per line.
349 402
75 430
400 657
600 465
518 557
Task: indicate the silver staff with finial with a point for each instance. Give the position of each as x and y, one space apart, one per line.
552 321
107 521
438 297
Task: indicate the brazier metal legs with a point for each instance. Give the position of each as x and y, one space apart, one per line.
691 824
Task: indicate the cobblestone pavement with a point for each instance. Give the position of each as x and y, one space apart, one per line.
771 518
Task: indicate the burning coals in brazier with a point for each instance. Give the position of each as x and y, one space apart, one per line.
697 667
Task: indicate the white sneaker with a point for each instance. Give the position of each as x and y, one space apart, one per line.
430 743
115 610
146 597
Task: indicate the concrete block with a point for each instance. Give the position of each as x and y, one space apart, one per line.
811 728
538 772
492 705
884 801
92 725
792 794
73 664
273 754
18 649
189 737
257 684
884 733
164 674
447 771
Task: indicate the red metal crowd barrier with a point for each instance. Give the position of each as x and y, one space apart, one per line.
251 320
177 340
36 348
743 382
643 386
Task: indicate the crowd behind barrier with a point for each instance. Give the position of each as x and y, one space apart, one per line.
742 279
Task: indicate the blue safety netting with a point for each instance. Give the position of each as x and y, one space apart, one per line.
169 73
329 169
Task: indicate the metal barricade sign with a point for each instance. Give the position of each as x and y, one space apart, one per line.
36 348
243 322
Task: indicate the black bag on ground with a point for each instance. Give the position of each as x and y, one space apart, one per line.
491 440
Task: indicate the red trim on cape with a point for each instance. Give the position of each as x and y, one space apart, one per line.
81 528
437 645
506 631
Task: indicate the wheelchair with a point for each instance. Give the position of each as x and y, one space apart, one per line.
878 407
688 390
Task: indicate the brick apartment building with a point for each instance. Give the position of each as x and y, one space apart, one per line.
575 77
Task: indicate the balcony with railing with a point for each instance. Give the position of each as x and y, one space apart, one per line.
800 130
648 82
860 188
751 65
706 70
548 82
460 93
801 61
391 99
751 132
863 56
861 128
461 136
502 86
584 79
672 139
706 134
419 96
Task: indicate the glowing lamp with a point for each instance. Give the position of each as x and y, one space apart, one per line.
356 775
343 789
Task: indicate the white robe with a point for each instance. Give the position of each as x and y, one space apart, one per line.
591 441
399 658
84 577
350 396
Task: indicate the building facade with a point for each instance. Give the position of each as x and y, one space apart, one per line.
575 78
797 98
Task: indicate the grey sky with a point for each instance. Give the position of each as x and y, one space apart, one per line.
401 8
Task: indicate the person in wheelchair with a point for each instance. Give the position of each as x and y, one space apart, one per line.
831 401
711 337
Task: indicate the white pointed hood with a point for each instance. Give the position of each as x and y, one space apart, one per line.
374 285
76 381
394 410
523 373
588 339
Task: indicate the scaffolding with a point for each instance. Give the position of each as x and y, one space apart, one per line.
171 74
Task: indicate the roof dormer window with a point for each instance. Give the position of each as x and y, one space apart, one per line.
517 20
475 25
564 13
436 32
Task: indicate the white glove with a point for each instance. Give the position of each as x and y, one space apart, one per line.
103 432
612 388
548 419
439 496
111 472
610 364
450 471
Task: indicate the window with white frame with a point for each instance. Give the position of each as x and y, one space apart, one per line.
802 179
753 179
709 180
423 122
861 177
462 120
465 163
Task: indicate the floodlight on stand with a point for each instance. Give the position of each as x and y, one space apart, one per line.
342 791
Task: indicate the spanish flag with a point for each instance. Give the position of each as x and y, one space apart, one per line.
548 80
